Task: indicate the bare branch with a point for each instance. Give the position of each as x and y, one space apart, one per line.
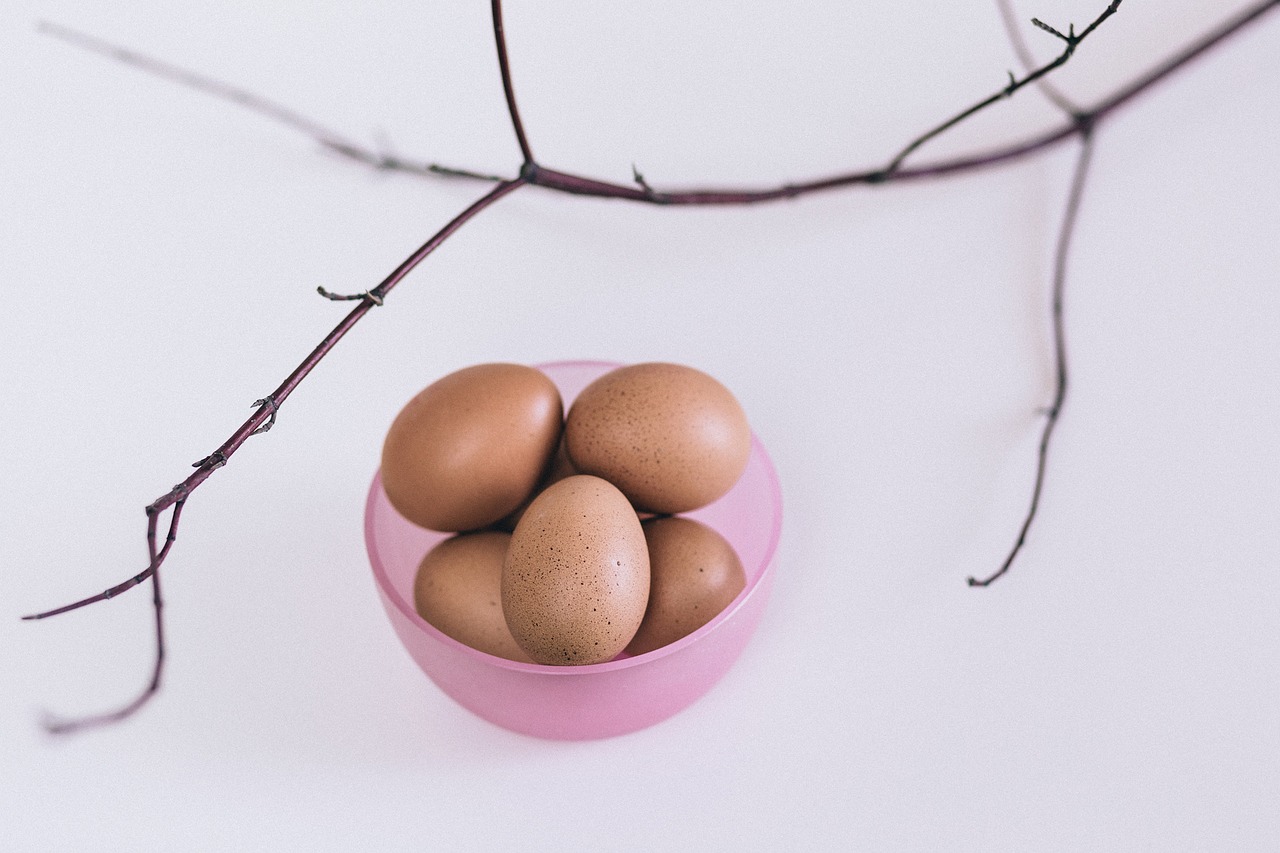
1019 44
1072 41
267 407
59 725
329 139
1059 348
504 66
582 185
156 558
259 422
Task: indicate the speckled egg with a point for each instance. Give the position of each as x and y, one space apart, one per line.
471 447
458 589
670 437
694 574
576 578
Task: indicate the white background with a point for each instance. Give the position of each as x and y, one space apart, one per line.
160 253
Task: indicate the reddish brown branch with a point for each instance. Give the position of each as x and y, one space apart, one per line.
1193 51
508 90
582 185
58 725
156 557
268 406
1006 154
260 422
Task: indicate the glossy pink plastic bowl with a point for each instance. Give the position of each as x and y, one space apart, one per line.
599 700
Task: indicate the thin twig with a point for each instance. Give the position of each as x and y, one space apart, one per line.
153 512
640 181
1019 45
1072 41
326 137
508 89
265 415
1054 411
350 297
270 404
193 80
61 726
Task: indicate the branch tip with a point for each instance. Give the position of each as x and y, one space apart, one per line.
372 295
1048 29
640 181
1054 411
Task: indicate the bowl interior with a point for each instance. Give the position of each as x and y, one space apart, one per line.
749 516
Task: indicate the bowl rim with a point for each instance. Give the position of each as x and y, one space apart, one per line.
551 670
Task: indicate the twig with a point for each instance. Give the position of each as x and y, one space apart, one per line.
153 511
326 137
270 404
1072 41
640 181
1054 411
372 296
508 90
59 725
259 422
1019 44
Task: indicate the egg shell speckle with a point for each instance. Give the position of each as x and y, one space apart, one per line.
695 574
670 437
458 589
470 448
576 578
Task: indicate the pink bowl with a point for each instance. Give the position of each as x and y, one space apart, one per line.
599 700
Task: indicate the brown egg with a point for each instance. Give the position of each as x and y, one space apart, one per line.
470 448
670 437
694 574
576 578
458 589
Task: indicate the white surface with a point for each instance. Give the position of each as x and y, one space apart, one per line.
1117 691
